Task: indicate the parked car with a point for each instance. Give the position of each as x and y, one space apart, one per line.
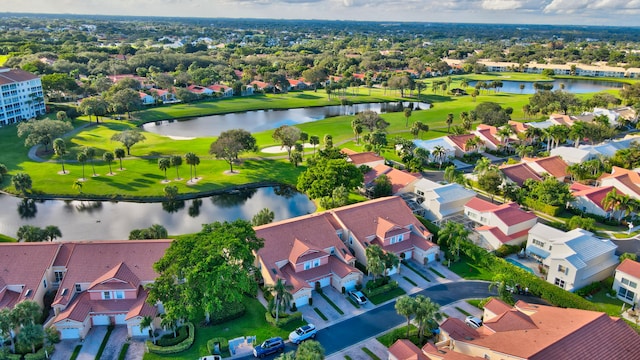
358 297
268 347
303 333
473 321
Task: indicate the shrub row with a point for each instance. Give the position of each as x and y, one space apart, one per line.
282 321
540 206
229 312
156 349
40 354
380 290
505 250
5 355
590 289
211 345
168 340
376 283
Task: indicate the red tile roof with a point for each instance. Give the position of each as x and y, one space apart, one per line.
596 195
630 267
11 76
629 178
508 213
489 135
398 178
518 127
553 165
502 237
518 173
497 306
404 349
358 159
461 140
120 272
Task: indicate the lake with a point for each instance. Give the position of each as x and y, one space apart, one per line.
260 120
576 86
105 220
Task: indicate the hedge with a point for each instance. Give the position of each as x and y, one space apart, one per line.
505 250
433 228
5 355
229 312
382 289
540 206
40 354
282 321
168 340
156 349
224 345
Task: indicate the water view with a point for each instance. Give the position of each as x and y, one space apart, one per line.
576 86
255 121
105 220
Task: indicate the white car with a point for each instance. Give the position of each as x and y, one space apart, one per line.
303 333
358 297
473 322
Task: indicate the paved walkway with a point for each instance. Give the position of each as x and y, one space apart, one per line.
92 342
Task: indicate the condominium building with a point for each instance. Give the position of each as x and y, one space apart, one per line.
20 96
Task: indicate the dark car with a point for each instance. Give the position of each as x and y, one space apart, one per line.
268 347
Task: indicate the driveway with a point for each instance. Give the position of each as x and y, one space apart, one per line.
92 342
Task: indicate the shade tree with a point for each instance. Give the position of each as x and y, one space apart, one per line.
128 138
42 132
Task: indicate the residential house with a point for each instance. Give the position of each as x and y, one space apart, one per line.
368 158
200 90
404 349
146 98
519 173
459 143
102 283
223 90
626 181
401 181
499 225
518 127
25 273
536 332
561 119
572 155
298 84
489 136
626 280
166 96
573 259
441 142
261 86
439 201
21 96
588 199
550 165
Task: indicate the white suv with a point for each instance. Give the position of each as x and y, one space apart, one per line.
303 333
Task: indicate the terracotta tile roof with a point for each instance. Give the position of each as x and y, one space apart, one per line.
489 135
15 76
511 320
561 119
576 186
595 194
8 298
480 205
630 267
82 306
629 178
89 261
508 213
518 173
358 159
502 237
218 88
260 84
159 92
25 264
399 179
518 127
404 349
78 310
119 272
461 140
458 330
196 89
445 353
141 307
553 165
497 306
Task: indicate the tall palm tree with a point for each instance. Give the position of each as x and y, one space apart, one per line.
60 148
190 159
108 157
439 153
90 152
464 83
611 201
119 153
53 232
577 132
163 165
176 161
426 310
505 133
449 122
406 306
82 159
407 115
283 297
466 121
356 125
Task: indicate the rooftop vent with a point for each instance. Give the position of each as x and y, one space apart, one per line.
64 292
28 293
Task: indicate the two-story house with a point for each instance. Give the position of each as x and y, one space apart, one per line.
626 280
626 181
146 99
499 225
573 259
439 201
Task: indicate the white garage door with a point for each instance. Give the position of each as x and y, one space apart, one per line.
407 255
137 330
101 320
431 257
69 333
325 282
350 285
392 271
301 301
120 319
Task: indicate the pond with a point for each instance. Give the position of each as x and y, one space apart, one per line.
105 220
260 120
576 86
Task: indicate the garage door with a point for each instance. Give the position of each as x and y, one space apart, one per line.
69 333
301 301
101 320
325 282
350 285
392 271
431 257
137 330
120 319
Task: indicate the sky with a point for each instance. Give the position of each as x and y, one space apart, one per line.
559 12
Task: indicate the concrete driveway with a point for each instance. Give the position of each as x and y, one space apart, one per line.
91 345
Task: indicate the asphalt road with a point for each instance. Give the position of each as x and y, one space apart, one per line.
341 335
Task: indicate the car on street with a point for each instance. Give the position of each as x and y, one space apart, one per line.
268 347
303 333
473 322
358 297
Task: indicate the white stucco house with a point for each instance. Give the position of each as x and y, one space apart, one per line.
626 280
573 259
439 201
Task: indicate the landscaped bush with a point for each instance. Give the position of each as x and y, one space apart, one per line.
211 345
505 250
360 266
40 354
433 228
376 283
228 313
539 206
169 340
175 348
5 355
282 321
590 289
380 290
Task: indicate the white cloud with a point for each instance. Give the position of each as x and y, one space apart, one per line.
580 6
501 4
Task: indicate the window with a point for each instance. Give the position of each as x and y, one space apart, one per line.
44 283
626 294
332 251
307 265
629 283
563 269
316 262
559 283
538 243
119 294
106 295
59 275
78 288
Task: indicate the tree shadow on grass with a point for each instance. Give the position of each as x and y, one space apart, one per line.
153 176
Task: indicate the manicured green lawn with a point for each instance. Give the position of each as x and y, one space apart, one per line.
610 305
384 297
466 269
387 339
3 59
252 323
474 302
5 238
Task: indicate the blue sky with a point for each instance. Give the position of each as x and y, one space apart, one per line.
577 12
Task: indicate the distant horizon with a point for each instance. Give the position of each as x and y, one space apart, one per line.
603 13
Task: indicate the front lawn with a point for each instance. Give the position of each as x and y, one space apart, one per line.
387 339
607 304
252 323
470 271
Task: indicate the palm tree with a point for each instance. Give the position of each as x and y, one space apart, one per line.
22 182
108 157
314 140
78 186
407 115
439 153
163 165
426 310
611 201
577 132
31 334
53 232
7 325
82 159
283 297
466 121
505 132
449 121
190 160
147 322
119 153
406 306
60 148
464 83
90 152
176 161
356 125
328 141
375 260
473 144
